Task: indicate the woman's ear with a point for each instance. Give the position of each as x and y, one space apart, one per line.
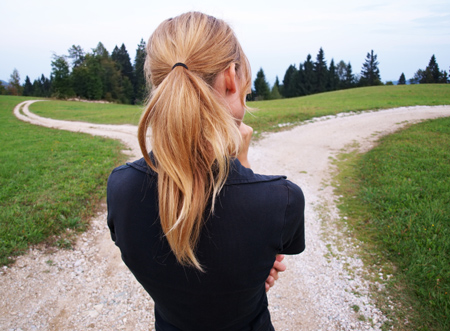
230 78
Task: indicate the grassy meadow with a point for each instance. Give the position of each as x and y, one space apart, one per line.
50 181
397 200
269 114
396 196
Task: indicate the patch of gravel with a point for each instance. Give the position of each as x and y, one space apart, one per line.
88 287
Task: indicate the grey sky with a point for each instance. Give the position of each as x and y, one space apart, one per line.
403 33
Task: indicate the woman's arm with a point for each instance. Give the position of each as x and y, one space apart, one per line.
278 266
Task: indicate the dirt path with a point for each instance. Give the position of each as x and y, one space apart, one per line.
90 288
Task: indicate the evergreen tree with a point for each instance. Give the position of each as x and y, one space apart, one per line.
333 78
262 89
349 77
140 86
101 51
37 88
402 80
42 87
431 74
321 72
300 81
275 93
370 74
27 87
433 68
2 89
444 78
310 76
290 82
46 86
121 57
61 80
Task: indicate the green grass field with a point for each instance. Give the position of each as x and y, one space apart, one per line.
396 196
50 180
397 199
100 113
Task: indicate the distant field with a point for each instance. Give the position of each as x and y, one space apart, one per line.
100 113
271 113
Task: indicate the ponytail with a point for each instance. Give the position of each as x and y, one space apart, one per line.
193 134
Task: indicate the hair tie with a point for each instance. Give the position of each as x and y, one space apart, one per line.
179 64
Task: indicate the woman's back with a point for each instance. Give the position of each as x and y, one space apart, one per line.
256 217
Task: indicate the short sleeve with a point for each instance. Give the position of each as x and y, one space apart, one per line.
293 235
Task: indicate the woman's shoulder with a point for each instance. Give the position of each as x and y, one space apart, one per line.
273 188
138 165
130 175
241 175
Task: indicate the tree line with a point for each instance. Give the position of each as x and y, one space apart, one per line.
98 75
95 75
316 77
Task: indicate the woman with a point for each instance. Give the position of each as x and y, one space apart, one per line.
197 228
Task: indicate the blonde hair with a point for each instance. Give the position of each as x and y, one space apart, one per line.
193 133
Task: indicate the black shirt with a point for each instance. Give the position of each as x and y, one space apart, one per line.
255 218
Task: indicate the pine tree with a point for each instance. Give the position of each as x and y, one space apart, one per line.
262 89
333 78
290 82
42 87
310 76
432 74
140 86
444 78
349 77
301 81
402 80
27 87
46 86
370 74
275 92
321 72
122 58
100 50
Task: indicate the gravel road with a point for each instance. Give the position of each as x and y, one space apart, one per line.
90 288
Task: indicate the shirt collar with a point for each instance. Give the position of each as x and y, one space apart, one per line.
238 173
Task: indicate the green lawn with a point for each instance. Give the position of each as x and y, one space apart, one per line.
101 113
397 198
50 180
